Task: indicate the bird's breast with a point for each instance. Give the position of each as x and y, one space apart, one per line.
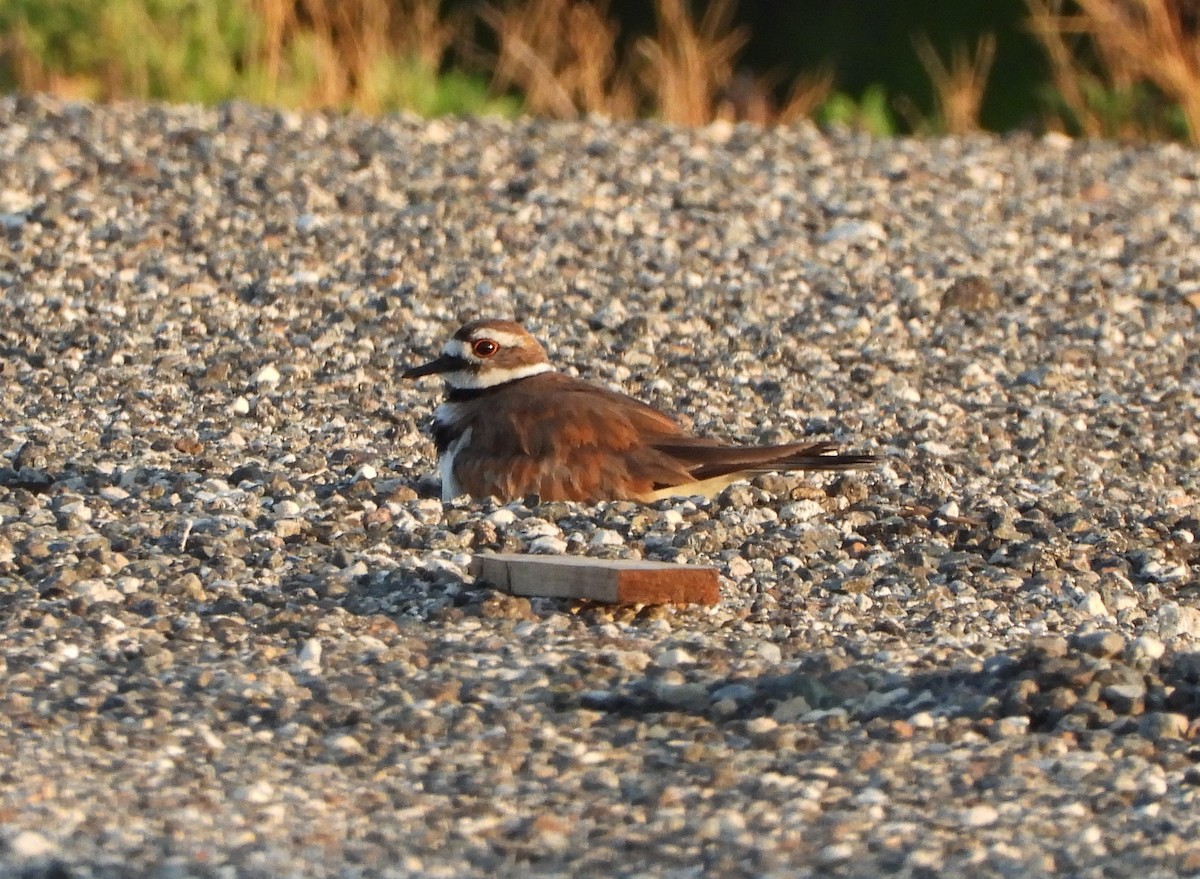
449 421
451 487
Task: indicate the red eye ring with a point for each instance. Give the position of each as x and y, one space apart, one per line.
485 347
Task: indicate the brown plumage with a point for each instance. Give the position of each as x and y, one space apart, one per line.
513 427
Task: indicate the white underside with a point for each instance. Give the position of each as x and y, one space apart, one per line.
450 487
708 488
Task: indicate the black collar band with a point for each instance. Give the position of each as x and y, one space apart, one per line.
462 395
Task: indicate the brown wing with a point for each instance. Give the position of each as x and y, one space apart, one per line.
565 439
705 458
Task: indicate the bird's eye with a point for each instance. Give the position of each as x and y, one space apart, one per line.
484 347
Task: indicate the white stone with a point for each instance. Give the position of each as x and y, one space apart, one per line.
1174 620
307 222
790 710
835 854
769 651
801 511
936 449
1147 647
306 277
287 509
96 590
129 585
855 231
674 657
760 725
268 375
1092 604
922 720
501 517
533 527
547 545
982 815
739 568
78 509
347 744
259 792
871 796
29 844
310 655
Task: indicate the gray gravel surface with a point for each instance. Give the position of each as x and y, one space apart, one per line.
237 636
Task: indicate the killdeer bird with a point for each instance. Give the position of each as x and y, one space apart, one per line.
511 426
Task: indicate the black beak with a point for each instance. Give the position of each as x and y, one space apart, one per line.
445 363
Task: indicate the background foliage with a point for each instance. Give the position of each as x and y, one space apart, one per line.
1114 68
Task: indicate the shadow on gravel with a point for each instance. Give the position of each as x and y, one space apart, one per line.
53 868
1088 683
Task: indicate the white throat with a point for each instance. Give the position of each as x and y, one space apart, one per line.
465 380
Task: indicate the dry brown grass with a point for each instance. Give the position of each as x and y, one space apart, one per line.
563 57
806 94
350 43
958 86
367 54
688 65
1133 43
566 59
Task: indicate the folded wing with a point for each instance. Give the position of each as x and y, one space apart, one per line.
577 441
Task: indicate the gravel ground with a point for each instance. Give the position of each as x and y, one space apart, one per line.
237 636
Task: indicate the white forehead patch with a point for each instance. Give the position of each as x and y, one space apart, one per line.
455 348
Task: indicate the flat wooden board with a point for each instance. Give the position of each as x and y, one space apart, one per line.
616 581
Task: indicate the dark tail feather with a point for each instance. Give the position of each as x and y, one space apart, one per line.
705 460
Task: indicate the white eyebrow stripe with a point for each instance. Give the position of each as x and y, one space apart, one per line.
469 380
507 340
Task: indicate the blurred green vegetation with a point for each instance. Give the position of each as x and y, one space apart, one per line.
208 51
1091 67
869 113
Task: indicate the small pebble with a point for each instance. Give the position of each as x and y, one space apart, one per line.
769 652
672 658
28 844
268 375
981 815
1102 644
